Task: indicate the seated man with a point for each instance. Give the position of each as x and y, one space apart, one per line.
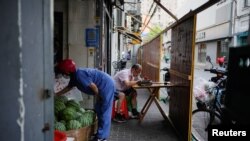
124 80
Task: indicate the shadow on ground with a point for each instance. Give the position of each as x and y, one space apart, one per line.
152 128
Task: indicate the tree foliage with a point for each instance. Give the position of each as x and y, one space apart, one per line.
154 31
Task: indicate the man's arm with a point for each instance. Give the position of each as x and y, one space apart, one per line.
64 90
130 83
94 89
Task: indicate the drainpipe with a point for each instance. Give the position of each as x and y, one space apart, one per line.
248 38
231 23
67 30
233 19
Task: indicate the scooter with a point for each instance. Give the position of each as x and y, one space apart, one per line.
119 65
219 79
166 79
219 71
166 76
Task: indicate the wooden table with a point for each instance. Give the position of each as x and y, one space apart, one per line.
153 89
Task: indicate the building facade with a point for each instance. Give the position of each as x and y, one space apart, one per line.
219 27
127 23
240 22
28 55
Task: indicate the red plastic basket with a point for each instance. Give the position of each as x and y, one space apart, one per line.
59 136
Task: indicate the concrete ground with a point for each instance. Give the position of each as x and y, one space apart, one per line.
152 128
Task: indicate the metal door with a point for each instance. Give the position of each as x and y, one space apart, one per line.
26 71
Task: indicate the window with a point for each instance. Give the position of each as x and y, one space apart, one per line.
243 40
202 53
246 3
222 48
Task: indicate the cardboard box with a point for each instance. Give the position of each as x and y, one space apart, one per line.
83 134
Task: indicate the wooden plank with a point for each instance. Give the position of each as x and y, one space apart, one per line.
181 73
152 65
151 59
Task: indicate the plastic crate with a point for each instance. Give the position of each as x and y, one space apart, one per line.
59 136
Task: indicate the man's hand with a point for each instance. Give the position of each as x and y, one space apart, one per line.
139 82
145 78
144 83
64 90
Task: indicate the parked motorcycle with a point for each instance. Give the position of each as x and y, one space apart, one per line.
219 71
119 65
166 79
166 76
219 79
222 61
209 90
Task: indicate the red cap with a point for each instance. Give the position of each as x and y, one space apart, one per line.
67 66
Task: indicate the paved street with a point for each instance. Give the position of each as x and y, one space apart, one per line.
153 127
200 73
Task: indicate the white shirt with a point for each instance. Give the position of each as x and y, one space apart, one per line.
120 78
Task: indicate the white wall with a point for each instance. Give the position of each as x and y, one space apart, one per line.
242 19
214 32
241 10
80 18
186 5
212 51
206 18
114 43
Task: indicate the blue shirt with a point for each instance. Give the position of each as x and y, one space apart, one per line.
83 77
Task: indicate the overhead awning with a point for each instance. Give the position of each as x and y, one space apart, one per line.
133 35
136 39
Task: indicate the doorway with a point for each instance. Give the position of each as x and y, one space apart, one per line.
58 37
